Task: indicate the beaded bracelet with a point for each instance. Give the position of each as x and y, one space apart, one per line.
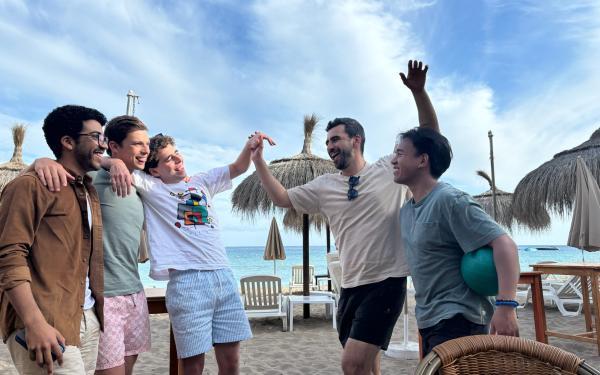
507 302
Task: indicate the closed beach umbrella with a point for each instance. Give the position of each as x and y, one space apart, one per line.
551 186
503 203
274 249
585 233
250 199
12 168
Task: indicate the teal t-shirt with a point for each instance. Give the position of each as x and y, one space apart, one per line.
122 221
436 232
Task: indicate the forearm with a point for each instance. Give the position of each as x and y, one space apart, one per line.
21 298
275 190
427 116
507 266
107 162
241 164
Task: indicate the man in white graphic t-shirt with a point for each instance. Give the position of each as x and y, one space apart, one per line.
186 248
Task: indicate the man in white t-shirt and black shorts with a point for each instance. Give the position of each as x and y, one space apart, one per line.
362 204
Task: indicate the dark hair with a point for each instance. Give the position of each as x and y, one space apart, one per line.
117 129
436 146
351 127
67 120
157 143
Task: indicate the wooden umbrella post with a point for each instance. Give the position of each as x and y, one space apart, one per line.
305 263
328 251
495 204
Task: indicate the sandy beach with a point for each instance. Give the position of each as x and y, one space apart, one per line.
313 347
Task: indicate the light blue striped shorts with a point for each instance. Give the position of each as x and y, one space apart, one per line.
205 309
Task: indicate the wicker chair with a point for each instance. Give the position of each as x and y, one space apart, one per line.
488 354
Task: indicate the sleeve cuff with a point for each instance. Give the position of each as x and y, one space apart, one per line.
14 277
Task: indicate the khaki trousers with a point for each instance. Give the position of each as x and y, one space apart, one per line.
77 360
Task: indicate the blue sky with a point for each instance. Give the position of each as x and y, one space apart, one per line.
211 72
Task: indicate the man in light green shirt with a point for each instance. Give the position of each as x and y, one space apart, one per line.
127 331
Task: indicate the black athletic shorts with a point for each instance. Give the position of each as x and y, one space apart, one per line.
448 329
369 312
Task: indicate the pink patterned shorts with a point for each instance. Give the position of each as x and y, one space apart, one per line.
126 329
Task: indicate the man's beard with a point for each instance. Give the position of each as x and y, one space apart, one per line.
343 160
86 159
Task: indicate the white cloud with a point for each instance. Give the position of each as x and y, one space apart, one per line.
209 85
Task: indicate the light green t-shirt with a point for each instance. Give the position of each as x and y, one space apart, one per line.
122 221
437 231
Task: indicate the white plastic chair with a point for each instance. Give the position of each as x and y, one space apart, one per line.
297 278
335 273
262 297
568 293
548 281
560 294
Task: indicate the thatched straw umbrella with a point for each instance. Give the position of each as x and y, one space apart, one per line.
551 187
503 203
250 199
12 168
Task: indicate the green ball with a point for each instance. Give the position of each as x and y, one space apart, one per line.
479 271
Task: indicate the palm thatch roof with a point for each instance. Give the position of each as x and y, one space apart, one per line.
503 203
12 168
551 187
250 199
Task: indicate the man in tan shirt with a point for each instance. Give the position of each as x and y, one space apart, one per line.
51 261
362 205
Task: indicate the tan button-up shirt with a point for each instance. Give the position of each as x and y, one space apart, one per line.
45 239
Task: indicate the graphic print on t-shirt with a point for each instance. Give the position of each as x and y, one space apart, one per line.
193 208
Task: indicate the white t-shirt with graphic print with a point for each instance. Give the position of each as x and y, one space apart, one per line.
182 225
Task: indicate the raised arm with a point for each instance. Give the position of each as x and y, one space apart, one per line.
275 190
241 164
504 320
415 81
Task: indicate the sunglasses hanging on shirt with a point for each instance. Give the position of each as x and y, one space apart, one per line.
352 192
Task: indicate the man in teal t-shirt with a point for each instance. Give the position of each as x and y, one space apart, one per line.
127 326
439 224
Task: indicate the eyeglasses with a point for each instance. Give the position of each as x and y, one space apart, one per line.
98 137
352 192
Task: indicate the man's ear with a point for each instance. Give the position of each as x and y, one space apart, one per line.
67 142
153 172
113 147
424 160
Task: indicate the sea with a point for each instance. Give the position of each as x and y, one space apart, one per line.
247 261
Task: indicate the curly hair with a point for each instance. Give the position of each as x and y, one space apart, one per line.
157 143
67 121
119 127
